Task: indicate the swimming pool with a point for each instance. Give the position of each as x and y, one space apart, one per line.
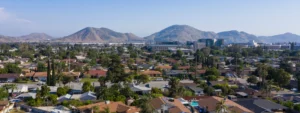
194 103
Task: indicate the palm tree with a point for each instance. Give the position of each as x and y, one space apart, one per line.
267 88
145 106
221 107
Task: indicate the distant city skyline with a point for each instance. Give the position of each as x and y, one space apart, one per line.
61 18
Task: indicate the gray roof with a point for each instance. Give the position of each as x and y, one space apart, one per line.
195 88
259 105
266 104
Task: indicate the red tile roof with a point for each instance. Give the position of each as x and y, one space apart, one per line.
97 72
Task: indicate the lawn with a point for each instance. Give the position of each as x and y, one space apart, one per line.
89 79
16 111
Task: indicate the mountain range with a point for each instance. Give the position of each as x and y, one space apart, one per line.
181 33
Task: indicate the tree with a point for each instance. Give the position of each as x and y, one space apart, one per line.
282 78
267 87
45 91
212 71
178 54
297 77
67 79
41 67
174 86
120 50
145 105
12 68
116 71
263 73
8 87
221 107
206 51
62 91
252 79
209 90
142 78
4 94
102 80
87 86
48 73
297 107
53 76
53 99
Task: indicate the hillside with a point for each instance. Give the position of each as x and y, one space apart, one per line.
100 35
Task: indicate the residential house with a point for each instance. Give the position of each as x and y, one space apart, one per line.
168 105
83 97
145 66
51 109
96 73
6 106
184 67
79 57
25 96
164 67
140 89
261 105
9 77
177 72
69 61
37 76
152 73
114 107
210 103
194 87
72 74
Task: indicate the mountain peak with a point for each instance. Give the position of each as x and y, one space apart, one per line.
102 35
35 37
180 33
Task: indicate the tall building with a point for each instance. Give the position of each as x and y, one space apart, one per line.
212 42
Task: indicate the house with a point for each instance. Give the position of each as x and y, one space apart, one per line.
20 89
184 67
145 66
72 74
194 87
164 67
6 106
177 72
23 60
9 77
51 109
140 89
26 96
114 107
38 76
83 97
261 105
96 73
168 105
79 57
152 73
210 103
69 61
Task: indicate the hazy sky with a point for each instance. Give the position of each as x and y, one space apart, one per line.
144 17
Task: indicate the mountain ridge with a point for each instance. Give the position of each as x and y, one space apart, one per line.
181 33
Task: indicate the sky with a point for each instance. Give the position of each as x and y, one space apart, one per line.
60 18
